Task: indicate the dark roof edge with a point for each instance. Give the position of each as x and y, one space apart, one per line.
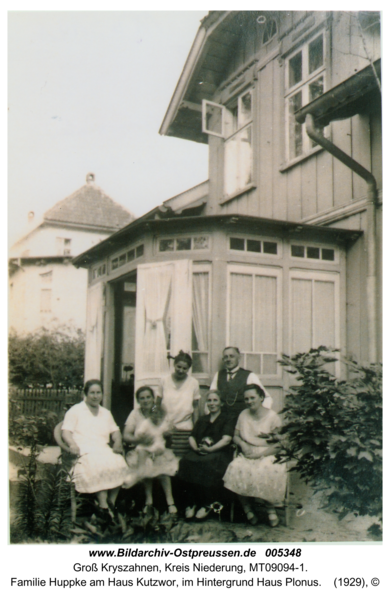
120 238
331 105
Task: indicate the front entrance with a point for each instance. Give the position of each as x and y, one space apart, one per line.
122 397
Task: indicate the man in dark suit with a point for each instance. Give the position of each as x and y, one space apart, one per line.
231 381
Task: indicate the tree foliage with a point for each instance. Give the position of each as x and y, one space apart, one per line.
333 431
30 430
54 357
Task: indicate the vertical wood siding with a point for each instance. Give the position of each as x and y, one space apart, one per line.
319 182
265 139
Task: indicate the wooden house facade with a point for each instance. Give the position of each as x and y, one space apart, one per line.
280 251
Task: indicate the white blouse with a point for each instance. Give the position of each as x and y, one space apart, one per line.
177 399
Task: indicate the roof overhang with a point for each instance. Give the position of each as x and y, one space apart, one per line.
14 264
252 225
203 71
357 94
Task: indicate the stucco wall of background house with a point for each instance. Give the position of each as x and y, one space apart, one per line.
47 240
64 302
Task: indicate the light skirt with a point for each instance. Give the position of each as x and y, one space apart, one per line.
154 465
99 470
257 478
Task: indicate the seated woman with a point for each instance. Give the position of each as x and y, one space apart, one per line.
254 473
179 394
88 429
203 467
146 428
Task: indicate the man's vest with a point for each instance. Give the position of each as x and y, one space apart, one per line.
232 391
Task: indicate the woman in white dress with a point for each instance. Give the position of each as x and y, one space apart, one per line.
146 427
88 429
254 473
180 395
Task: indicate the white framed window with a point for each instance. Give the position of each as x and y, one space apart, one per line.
304 82
201 323
99 271
270 30
314 310
184 242
127 257
254 316
64 246
254 245
233 123
313 252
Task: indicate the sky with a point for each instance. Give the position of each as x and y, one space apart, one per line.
87 92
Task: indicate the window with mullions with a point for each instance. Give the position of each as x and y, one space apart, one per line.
255 316
233 123
249 245
305 81
99 271
312 252
124 258
183 243
270 30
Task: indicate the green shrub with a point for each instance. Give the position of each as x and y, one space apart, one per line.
333 431
32 430
43 502
54 357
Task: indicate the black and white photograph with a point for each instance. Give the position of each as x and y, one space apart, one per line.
195 277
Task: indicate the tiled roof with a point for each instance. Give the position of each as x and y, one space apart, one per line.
90 206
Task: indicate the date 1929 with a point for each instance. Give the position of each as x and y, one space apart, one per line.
349 582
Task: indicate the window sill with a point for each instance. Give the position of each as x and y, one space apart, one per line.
296 161
244 190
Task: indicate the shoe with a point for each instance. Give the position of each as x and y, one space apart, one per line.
190 512
172 509
273 519
148 510
253 520
202 513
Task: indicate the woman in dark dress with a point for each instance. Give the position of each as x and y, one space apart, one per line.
203 467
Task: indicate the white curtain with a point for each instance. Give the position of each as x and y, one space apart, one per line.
265 310
231 166
94 332
200 315
241 311
301 315
244 158
324 327
163 317
157 288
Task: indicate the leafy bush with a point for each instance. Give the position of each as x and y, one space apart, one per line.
32 430
54 357
333 431
43 513
43 503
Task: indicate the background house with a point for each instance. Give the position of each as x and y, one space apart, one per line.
45 288
280 250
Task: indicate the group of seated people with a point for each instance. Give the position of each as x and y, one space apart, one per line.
238 411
